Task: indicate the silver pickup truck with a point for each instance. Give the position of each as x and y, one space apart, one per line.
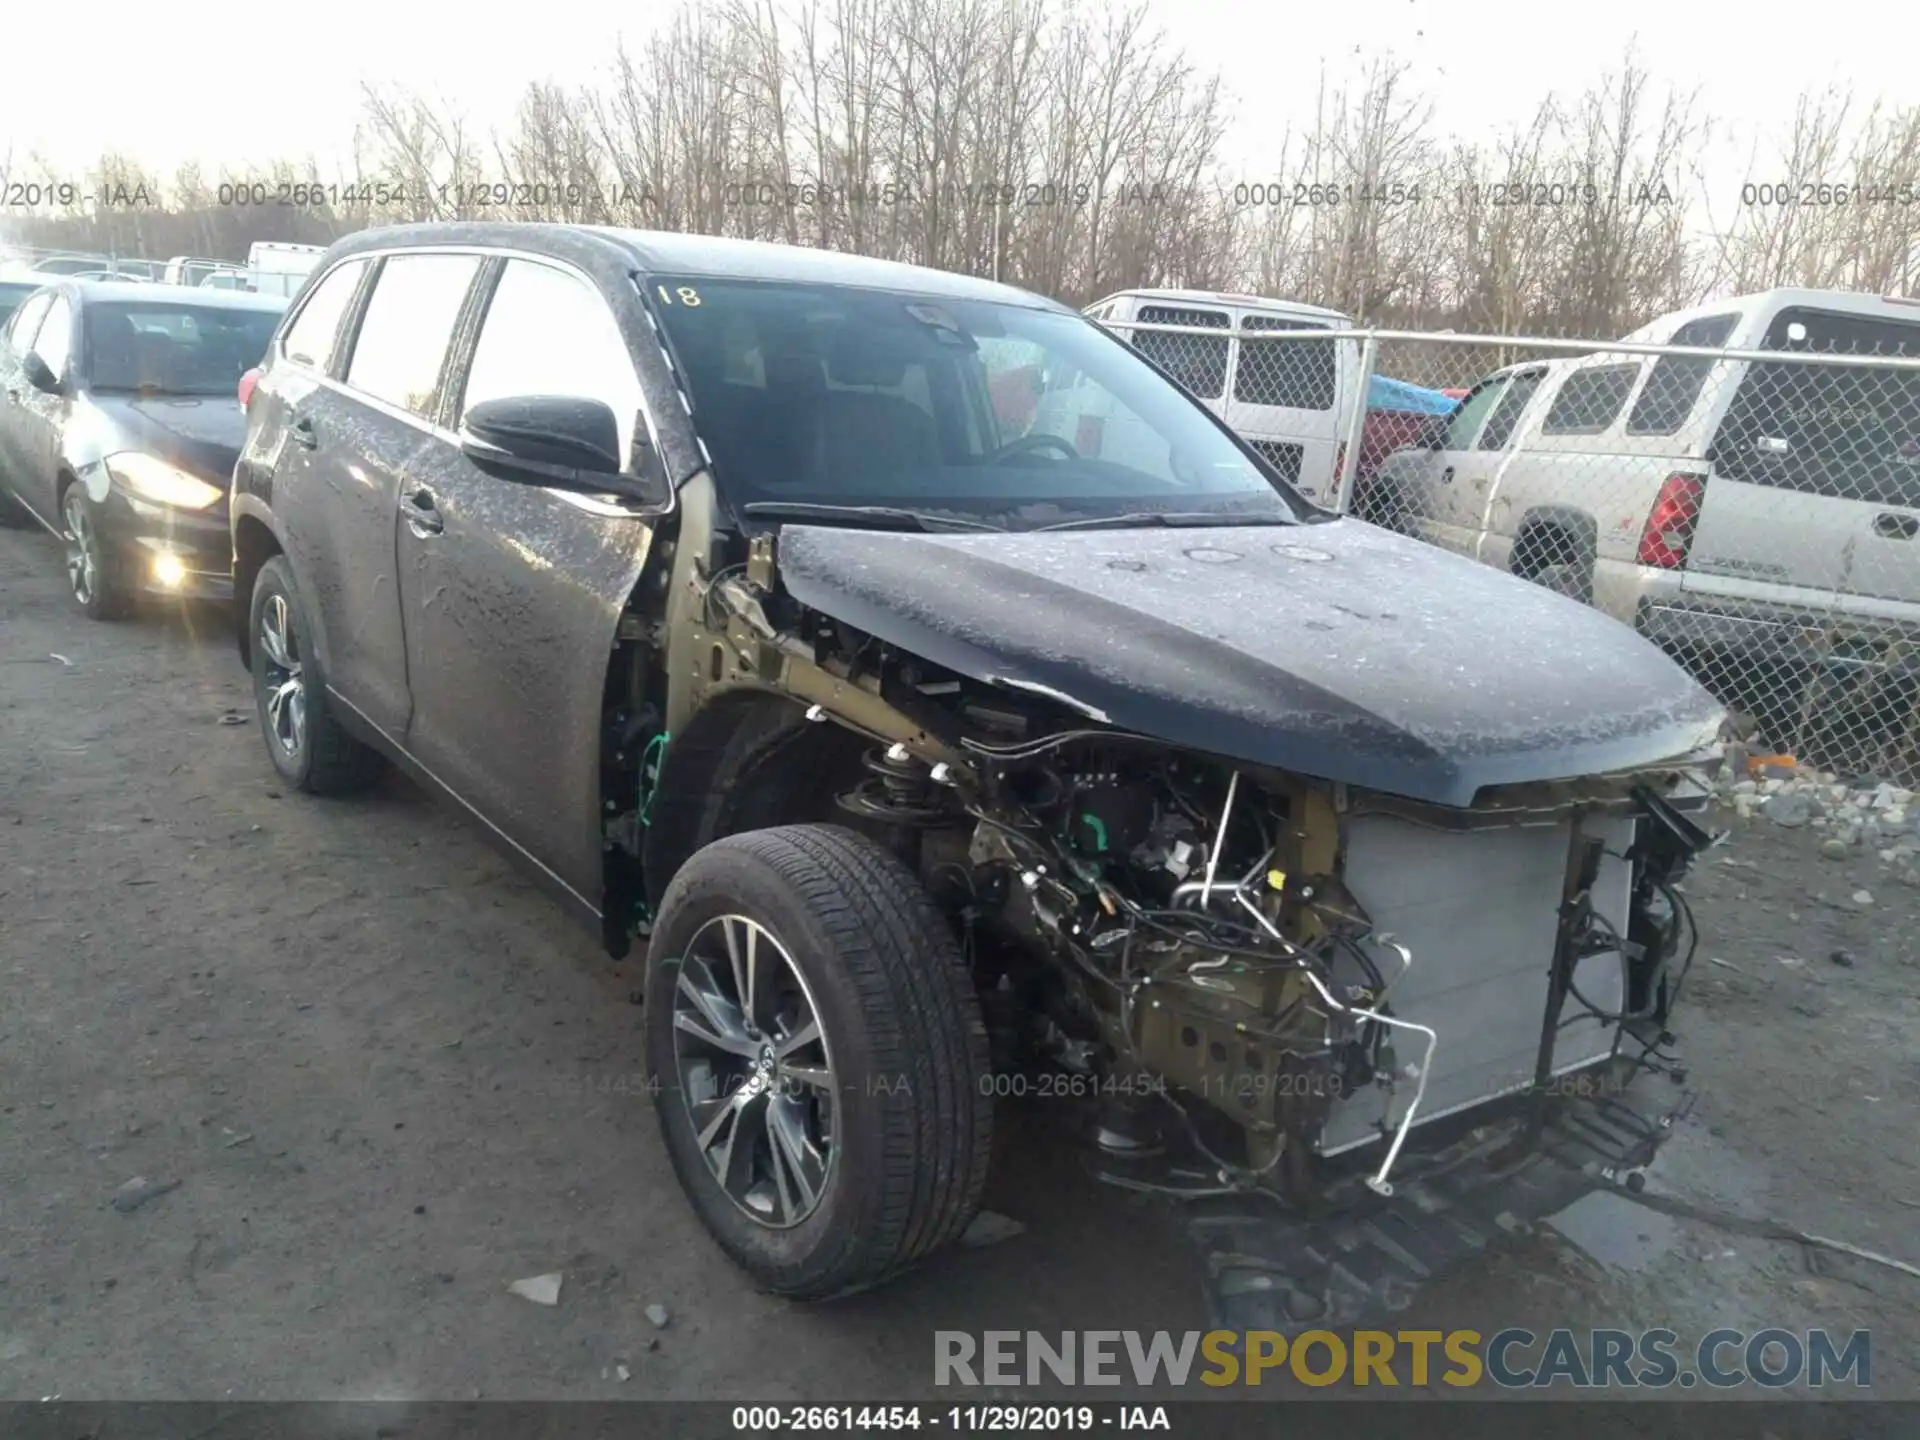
1759 519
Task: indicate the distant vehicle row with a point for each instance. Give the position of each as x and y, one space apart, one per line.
272 268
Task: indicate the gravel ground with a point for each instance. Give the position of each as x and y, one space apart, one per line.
385 1078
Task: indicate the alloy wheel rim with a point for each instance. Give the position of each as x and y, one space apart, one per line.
83 550
285 687
755 1072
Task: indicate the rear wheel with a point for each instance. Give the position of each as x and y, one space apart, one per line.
306 743
95 574
1554 558
819 1059
1573 581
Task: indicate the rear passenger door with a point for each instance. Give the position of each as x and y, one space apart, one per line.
512 592
355 444
35 419
16 416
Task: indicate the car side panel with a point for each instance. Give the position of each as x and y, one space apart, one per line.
39 420
35 421
14 423
336 508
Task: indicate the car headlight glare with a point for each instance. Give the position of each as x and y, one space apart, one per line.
152 478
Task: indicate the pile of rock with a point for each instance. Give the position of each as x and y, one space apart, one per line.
1859 814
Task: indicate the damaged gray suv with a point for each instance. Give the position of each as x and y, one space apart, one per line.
957 710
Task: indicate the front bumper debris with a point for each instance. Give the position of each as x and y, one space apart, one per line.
1267 1268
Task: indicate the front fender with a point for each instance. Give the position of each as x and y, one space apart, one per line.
85 442
247 510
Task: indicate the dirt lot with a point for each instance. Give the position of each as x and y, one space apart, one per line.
387 1078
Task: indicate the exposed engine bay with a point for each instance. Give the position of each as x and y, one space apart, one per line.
1202 935
1266 971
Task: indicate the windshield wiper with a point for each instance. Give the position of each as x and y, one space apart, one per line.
889 517
1197 519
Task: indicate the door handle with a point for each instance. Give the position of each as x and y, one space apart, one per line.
1896 527
1446 476
423 518
304 435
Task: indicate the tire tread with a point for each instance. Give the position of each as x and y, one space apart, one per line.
922 1021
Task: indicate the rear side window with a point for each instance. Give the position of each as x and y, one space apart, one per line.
1590 400
1675 381
316 329
1198 362
26 320
402 344
54 343
550 333
1848 432
1507 413
1294 374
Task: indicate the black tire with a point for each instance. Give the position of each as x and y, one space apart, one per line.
96 574
906 1048
1573 580
313 754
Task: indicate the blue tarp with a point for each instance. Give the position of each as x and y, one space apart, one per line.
1386 394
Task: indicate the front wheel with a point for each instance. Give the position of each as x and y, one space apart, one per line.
94 573
818 1058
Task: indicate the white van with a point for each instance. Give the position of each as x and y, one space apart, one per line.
192 269
1290 399
281 268
1744 514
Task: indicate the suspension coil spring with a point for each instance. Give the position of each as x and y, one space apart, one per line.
900 789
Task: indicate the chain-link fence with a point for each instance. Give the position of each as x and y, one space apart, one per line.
1747 496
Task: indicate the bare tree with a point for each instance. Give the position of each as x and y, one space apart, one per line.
425 151
1831 206
1077 151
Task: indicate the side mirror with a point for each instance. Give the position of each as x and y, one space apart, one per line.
40 374
560 441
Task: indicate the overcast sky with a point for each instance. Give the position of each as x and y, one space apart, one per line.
258 82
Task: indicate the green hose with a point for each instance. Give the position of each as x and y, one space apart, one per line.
650 761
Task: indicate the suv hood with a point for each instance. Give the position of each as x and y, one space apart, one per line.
1336 650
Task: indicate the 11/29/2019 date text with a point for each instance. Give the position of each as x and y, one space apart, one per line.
959 1419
